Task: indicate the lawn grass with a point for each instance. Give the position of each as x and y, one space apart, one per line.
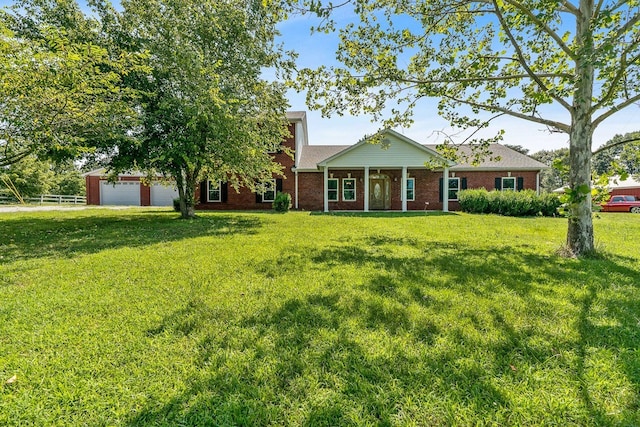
134 317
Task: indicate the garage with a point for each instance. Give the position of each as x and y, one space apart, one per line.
163 195
125 193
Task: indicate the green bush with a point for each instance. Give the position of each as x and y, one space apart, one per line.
508 203
282 202
176 204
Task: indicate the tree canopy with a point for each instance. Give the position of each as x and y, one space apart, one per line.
568 65
206 110
60 90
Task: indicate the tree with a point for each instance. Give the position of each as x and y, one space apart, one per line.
558 174
29 177
207 112
619 155
568 65
59 88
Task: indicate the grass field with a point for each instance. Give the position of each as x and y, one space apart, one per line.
127 318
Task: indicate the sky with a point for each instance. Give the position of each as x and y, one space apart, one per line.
319 49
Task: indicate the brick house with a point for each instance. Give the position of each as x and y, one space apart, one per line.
365 177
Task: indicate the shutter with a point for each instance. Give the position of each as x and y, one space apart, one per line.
498 183
278 185
223 192
203 192
441 189
463 183
520 183
258 197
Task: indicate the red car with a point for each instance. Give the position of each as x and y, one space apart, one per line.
622 203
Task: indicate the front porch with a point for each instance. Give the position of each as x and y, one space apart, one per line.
373 188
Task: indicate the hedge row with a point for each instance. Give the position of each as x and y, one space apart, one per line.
509 203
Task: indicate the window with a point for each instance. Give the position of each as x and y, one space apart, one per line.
332 189
508 183
411 189
213 191
454 187
269 192
349 189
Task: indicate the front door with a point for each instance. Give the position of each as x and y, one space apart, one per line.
379 192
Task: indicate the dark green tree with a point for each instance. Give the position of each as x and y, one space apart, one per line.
207 111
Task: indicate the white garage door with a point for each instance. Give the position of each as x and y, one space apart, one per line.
163 195
121 193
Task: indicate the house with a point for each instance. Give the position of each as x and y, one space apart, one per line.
629 186
362 177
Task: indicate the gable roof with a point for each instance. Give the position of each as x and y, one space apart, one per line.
313 157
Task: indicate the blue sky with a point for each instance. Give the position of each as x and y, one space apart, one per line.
318 49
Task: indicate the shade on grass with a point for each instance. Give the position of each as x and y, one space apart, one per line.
136 318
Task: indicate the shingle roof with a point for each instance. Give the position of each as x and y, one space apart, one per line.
509 159
313 154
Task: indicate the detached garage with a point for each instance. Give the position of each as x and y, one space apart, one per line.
127 191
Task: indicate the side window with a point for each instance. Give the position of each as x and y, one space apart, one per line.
332 187
411 189
349 189
508 183
454 187
214 194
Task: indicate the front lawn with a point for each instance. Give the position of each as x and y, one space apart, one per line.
136 318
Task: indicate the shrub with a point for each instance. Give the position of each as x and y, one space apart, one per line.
282 202
508 203
176 204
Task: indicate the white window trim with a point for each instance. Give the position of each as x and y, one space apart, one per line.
413 188
273 186
451 199
515 183
337 190
355 196
209 192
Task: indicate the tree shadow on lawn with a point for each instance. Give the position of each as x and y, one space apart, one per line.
40 237
359 354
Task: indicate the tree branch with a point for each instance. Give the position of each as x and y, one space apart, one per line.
616 80
495 108
488 78
614 110
542 25
523 62
615 144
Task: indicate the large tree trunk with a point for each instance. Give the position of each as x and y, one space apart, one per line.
186 192
580 231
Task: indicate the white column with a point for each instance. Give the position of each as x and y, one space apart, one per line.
538 183
445 190
403 195
296 175
366 188
326 189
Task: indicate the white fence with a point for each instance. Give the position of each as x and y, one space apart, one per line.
47 198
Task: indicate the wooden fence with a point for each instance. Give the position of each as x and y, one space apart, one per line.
47 199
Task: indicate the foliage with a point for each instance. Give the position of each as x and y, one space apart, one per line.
129 317
59 88
29 176
616 157
282 202
207 111
509 203
176 204
567 65
557 176
33 177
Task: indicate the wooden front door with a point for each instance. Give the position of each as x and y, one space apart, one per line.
379 194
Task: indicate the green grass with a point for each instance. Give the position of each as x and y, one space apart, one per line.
133 318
